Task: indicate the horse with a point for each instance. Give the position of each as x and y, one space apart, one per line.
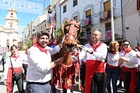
64 74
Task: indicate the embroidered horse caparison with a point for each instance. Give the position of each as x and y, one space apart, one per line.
64 74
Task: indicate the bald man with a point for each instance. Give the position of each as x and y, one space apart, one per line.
95 59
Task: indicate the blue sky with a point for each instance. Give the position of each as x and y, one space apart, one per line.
24 14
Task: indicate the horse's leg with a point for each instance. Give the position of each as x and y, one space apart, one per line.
64 90
71 90
53 88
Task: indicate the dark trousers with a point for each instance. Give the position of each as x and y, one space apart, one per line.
19 84
98 83
112 74
3 64
138 81
127 78
25 66
83 70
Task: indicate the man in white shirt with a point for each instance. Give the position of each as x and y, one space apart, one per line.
95 54
39 71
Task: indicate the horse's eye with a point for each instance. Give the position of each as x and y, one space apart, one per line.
67 25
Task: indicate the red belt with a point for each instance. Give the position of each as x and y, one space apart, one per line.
111 67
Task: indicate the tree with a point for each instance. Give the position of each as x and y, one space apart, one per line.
29 43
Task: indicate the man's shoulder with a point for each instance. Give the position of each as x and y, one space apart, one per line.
33 48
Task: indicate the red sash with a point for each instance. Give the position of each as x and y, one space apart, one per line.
111 67
132 79
92 66
9 74
9 78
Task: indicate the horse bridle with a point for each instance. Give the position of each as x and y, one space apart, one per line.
67 31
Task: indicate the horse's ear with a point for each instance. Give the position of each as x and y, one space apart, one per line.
79 31
66 21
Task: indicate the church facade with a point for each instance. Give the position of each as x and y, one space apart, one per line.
9 31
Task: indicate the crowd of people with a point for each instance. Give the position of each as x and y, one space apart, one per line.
101 66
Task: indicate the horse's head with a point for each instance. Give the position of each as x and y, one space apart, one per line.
70 31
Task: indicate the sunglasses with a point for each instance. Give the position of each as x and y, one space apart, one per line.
125 44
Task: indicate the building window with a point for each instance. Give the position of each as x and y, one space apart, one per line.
88 13
138 4
108 26
108 31
88 17
64 9
107 5
74 3
11 13
76 18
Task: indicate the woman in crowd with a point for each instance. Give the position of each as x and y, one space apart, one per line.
130 67
13 66
112 66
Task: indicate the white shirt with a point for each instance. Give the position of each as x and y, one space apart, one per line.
99 54
113 59
131 57
39 64
15 62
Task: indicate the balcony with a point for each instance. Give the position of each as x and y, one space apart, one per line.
105 15
87 21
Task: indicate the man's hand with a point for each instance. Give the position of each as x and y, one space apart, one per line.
59 61
122 59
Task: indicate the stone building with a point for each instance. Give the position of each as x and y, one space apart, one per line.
9 31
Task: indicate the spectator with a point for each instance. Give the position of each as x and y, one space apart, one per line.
95 53
130 67
137 48
39 71
13 65
3 59
112 66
